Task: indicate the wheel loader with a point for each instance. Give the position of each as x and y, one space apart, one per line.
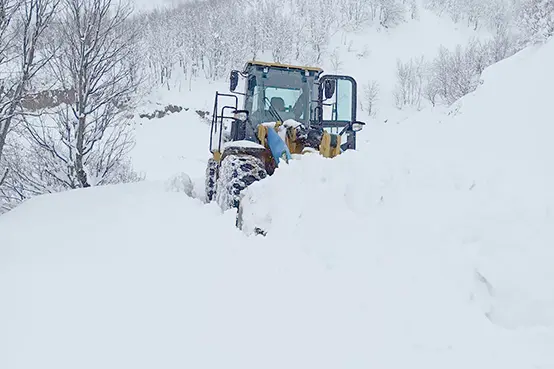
278 111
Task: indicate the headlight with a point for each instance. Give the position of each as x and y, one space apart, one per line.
241 116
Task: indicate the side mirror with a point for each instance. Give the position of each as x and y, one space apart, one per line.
357 126
329 88
233 80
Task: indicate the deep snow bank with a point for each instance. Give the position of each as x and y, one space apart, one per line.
472 186
504 144
169 146
133 276
136 276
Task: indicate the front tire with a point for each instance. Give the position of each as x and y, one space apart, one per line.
236 172
211 179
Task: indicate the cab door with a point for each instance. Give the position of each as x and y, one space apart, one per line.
336 109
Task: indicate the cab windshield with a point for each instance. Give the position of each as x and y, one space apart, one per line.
286 101
286 91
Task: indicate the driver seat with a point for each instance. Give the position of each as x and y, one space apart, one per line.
279 104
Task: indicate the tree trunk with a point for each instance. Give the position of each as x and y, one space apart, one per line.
79 166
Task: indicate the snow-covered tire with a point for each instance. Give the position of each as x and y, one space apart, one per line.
211 178
240 222
236 172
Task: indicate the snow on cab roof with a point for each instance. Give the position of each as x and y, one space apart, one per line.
279 65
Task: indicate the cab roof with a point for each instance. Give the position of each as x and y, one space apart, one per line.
283 66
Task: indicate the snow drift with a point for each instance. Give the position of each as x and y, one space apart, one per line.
472 185
426 248
135 276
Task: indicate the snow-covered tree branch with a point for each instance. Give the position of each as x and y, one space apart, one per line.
22 26
536 20
87 141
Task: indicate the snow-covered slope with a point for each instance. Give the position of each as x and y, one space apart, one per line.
367 54
429 247
136 276
168 146
133 276
371 54
141 6
476 179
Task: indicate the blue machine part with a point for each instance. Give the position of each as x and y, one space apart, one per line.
277 146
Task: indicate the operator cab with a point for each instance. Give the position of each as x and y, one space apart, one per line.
273 92
282 90
277 92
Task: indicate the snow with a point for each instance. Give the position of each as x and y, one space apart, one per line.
243 143
163 280
368 54
140 6
430 246
463 196
159 155
291 123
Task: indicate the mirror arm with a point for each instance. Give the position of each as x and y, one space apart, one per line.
346 128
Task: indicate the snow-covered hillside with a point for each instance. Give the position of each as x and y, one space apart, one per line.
429 247
369 54
476 179
168 146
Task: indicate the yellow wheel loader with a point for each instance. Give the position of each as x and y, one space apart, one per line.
278 111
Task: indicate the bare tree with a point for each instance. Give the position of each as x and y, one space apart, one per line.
371 91
414 10
3 176
392 13
335 60
22 25
28 174
409 85
87 142
431 88
536 20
